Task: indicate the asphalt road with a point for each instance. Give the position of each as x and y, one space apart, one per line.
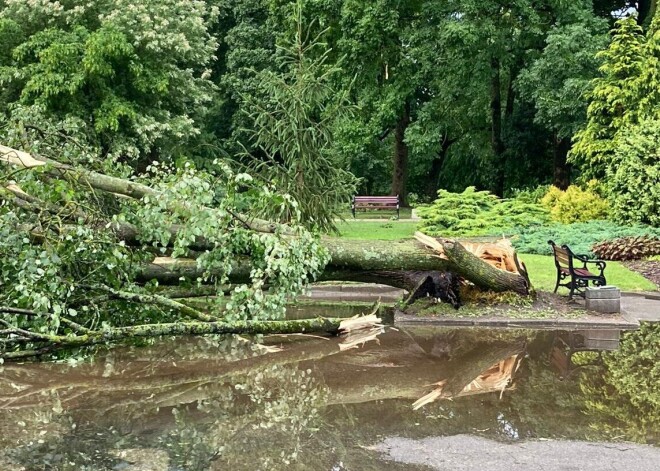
469 453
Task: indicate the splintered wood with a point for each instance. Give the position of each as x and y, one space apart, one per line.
18 158
500 254
431 243
359 330
496 378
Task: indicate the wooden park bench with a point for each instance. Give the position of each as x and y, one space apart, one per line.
376 202
578 277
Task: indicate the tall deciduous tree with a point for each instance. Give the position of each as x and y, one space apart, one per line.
133 75
557 81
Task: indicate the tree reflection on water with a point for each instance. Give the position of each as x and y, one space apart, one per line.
226 403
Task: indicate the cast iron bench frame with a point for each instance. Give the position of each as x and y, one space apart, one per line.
580 277
375 202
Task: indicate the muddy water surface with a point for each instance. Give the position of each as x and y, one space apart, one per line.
226 403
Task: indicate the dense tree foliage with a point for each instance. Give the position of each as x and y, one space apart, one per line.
232 110
446 94
133 77
619 142
292 130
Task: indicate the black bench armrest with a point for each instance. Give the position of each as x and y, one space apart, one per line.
599 263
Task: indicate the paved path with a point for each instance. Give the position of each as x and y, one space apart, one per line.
642 307
355 292
635 307
469 453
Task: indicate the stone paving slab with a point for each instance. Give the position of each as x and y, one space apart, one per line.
338 296
643 307
354 292
374 289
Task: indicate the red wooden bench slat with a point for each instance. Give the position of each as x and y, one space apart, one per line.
364 199
375 202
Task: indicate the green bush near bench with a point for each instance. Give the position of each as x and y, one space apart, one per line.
578 236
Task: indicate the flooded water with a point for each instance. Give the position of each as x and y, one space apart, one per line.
399 401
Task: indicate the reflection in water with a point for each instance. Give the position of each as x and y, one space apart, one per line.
225 403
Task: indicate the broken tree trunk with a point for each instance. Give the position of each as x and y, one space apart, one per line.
397 264
355 330
400 264
110 184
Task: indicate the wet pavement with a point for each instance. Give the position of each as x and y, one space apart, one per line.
635 308
469 453
641 307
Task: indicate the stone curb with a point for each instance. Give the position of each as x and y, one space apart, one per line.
348 297
642 294
364 289
402 321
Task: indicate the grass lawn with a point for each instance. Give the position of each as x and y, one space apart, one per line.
541 267
543 274
373 230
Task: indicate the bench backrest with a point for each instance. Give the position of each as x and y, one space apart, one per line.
385 200
563 255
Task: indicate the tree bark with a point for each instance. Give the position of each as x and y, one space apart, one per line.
645 12
109 184
328 325
562 169
395 263
350 259
399 264
436 168
400 158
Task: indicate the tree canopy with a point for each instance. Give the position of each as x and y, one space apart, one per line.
443 94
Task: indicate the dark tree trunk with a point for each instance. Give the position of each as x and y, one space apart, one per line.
436 168
562 169
645 12
400 160
496 127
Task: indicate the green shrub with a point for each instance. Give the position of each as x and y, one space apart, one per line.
474 213
635 184
575 204
578 236
530 195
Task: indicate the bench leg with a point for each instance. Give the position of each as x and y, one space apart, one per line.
558 280
573 287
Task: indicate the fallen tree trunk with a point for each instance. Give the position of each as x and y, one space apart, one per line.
401 264
327 325
109 184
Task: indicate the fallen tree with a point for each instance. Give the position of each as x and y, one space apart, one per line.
81 245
